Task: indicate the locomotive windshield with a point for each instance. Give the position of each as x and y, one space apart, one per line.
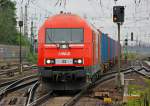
61 35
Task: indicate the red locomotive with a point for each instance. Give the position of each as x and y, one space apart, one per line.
69 50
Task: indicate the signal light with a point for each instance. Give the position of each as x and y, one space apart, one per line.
131 36
118 14
126 42
114 18
20 23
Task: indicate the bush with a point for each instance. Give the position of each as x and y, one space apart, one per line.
32 57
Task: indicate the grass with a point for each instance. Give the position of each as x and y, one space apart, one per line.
139 90
135 102
132 56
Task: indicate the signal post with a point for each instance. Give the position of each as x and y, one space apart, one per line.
20 46
118 18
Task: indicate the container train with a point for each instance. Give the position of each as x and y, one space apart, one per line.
9 54
72 52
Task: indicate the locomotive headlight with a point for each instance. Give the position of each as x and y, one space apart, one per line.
64 46
50 61
79 61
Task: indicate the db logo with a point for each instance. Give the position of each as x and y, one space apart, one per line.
64 53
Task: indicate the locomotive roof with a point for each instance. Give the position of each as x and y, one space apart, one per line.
61 20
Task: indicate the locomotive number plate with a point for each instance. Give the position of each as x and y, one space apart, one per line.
64 61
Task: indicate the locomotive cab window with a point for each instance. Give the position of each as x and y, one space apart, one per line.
62 35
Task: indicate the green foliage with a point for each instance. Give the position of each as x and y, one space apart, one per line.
24 40
8 32
32 57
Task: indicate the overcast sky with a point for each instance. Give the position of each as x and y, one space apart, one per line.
98 12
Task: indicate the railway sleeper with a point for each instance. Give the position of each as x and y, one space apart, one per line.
10 74
13 101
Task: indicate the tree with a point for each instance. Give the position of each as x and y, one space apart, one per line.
8 31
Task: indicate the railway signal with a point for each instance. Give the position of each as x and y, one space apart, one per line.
118 14
20 25
126 51
118 17
126 42
131 36
32 37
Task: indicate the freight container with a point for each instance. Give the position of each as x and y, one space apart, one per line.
108 49
111 49
104 48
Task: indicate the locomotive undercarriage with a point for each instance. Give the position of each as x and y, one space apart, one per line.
61 78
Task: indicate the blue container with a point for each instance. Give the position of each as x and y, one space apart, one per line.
116 49
104 48
113 51
111 48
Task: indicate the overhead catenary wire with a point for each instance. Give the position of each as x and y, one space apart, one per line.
104 6
61 3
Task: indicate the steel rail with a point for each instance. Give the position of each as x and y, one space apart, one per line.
3 72
7 83
14 84
41 99
73 100
32 91
11 65
109 76
140 71
145 66
22 86
146 76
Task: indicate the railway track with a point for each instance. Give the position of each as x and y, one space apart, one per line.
7 66
51 98
70 101
77 97
12 71
16 92
73 100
